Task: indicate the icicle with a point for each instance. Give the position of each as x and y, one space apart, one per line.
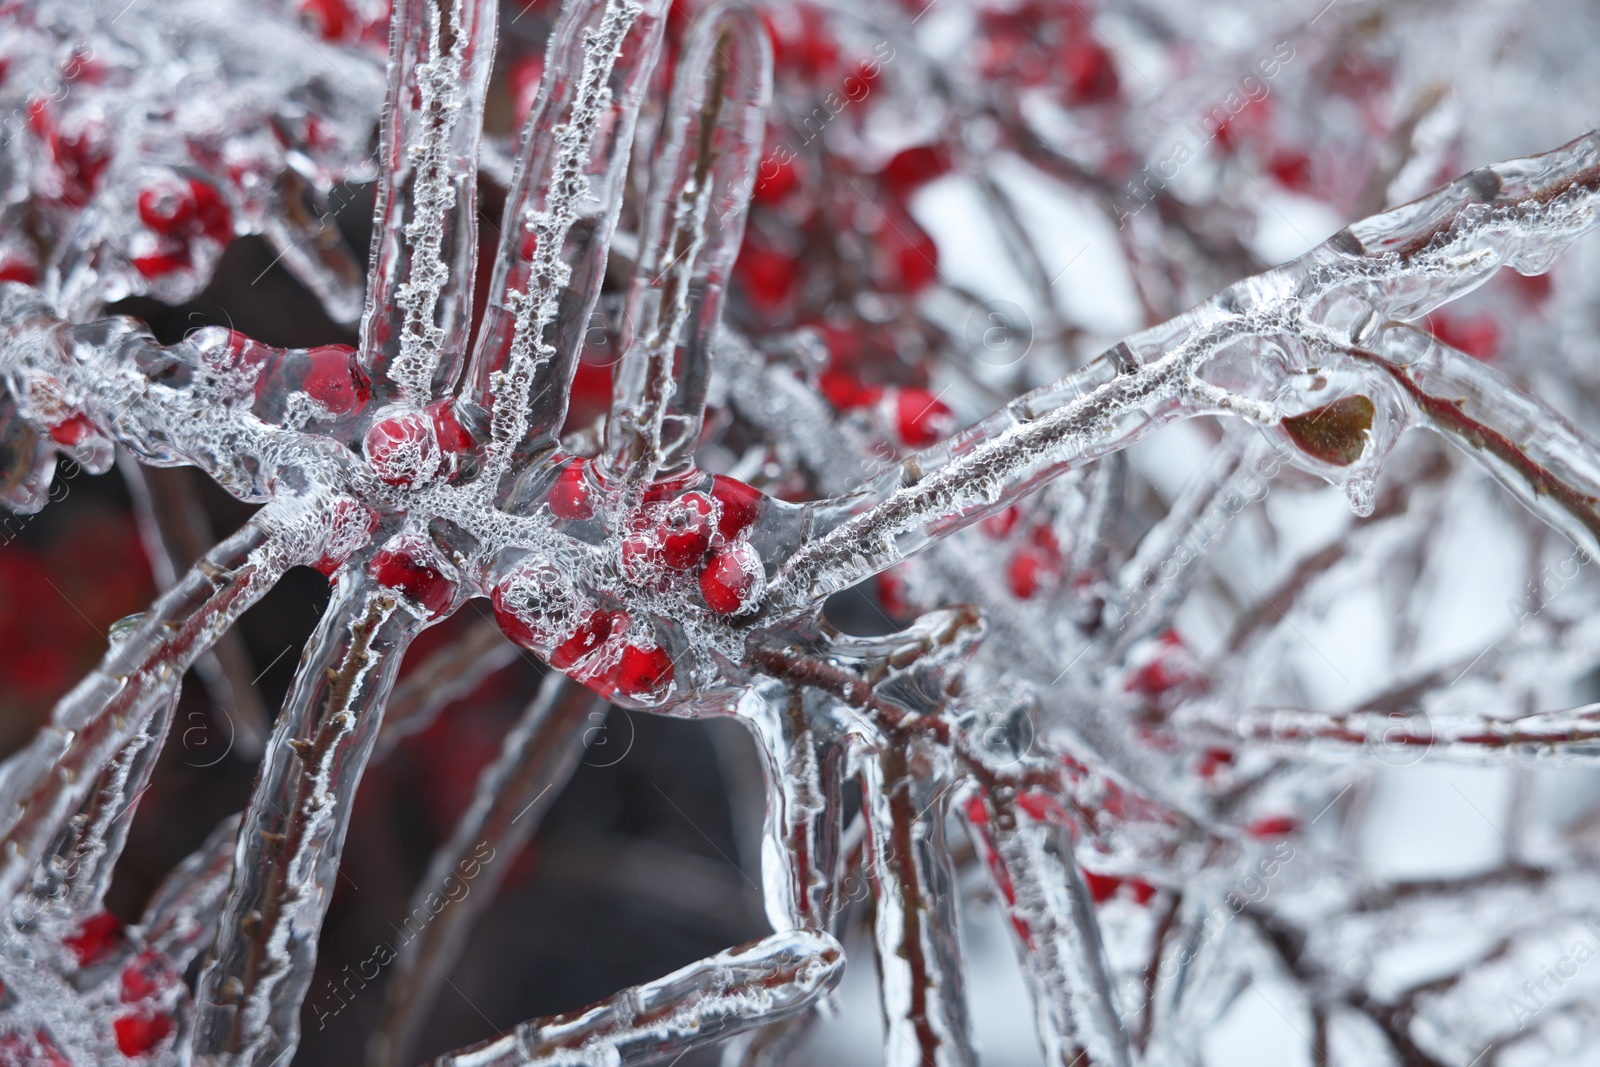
72 881
804 760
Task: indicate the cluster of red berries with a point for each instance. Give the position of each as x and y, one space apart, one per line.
178 212
149 986
677 535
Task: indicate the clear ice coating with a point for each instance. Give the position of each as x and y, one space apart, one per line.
1084 676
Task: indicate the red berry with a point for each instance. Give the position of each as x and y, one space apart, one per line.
333 379
15 270
1170 665
914 167
160 264
534 604
845 391
807 47
329 16
639 552
1102 887
1212 761
1025 572
644 673
182 210
211 212
907 258
79 159
921 418
860 80
146 976
513 625
1292 169
1478 337
422 581
95 938
569 496
732 579
1275 826
590 634
168 209
776 178
769 277
453 438
1041 806
741 505
1091 77
1001 523
72 431
401 449
138 1034
684 531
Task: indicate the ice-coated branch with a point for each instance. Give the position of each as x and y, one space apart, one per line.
50 778
313 250
1394 266
288 853
513 793
419 300
560 213
181 919
906 798
804 759
693 225
74 878
751 985
176 532
1543 459
1034 872
1560 737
